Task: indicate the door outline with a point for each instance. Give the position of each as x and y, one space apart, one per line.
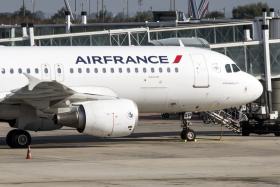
59 77
201 73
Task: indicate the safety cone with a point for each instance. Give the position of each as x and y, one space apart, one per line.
28 156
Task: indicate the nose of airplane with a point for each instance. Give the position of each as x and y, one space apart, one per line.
254 88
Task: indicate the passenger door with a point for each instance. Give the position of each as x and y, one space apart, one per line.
201 74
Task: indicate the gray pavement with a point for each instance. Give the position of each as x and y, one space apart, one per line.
152 156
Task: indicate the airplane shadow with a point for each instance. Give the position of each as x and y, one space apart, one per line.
81 140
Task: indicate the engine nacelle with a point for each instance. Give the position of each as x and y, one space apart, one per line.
102 118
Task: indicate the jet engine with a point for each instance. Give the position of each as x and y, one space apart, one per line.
101 118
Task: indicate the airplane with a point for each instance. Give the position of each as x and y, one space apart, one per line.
100 91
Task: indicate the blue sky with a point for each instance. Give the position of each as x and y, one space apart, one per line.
51 6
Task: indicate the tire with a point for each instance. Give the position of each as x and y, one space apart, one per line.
188 134
245 133
18 139
277 133
183 134
191 135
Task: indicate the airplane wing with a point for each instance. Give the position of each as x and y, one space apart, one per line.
43 94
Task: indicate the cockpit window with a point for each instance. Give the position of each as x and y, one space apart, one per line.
235 68
228 68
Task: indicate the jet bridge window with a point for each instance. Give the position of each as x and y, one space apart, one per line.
235 68
20 71
228 68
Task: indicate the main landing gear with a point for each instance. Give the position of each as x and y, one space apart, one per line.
187 133
18 138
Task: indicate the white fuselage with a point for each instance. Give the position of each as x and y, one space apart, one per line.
157 79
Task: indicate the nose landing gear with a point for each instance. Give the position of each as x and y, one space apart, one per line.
18 138
187 133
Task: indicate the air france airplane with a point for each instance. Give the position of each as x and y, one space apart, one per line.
100 90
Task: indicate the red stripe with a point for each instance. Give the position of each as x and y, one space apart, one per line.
177 59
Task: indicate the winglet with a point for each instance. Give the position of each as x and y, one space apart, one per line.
181 43
33 81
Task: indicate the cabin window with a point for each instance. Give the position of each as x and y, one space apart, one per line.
88 70
228 68
136 70
152 70
3 70
112 70
168 70
36 70
160 70
71 70
176 70
144 70
80 70
20 71
11 70
128 70
46 70
104 70
95 70
235 68
59 70
28 70
120 70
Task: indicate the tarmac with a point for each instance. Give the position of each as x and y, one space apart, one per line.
153 156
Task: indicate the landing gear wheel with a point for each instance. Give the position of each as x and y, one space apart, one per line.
18 139
188 134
